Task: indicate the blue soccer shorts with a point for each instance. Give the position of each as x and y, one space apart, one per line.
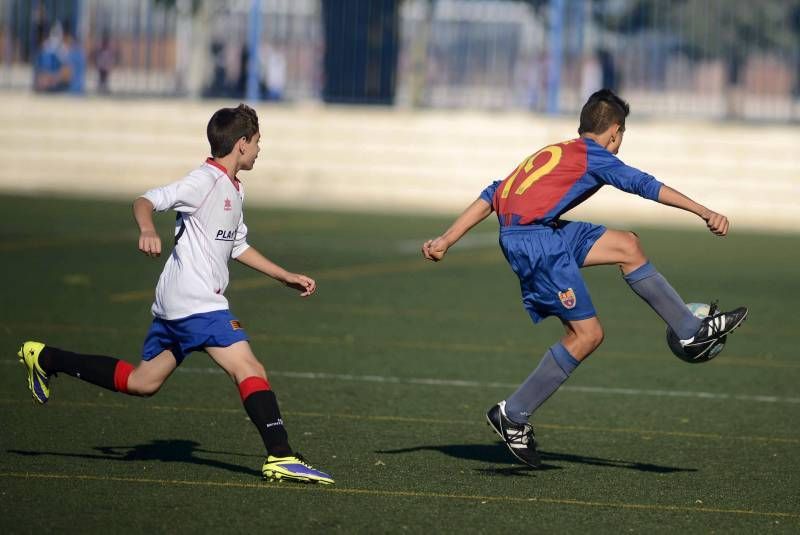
192 333
547 261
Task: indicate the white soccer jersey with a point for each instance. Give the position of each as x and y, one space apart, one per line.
209 230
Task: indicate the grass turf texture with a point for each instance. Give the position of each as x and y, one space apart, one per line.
384 377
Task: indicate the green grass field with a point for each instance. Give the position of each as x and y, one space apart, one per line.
384 377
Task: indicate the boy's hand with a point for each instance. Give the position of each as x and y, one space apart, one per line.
434 249
305 285
716 223
150 243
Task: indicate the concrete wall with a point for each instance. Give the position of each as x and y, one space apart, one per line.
385 159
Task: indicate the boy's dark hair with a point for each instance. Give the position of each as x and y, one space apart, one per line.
603 109
229 125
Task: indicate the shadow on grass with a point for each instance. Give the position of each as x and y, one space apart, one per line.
498 454
168 451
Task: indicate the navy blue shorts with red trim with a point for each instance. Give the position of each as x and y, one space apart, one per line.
547 260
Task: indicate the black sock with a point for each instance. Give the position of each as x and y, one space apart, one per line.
262 407
95 369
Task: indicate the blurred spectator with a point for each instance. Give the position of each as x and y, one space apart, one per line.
105 58
60 63
74 58
231 67
591 76
240 84
40 28
273 67
217 87
50 70
229 73
598 72
536 82
235 63
611 79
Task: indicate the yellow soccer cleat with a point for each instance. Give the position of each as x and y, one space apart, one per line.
293 468
38 380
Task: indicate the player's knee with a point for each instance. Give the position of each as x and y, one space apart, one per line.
596 337
582 343
148 390
248 368
632 254
632 246
592 337
259 370
143 388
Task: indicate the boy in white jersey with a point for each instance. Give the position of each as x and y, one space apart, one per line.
190 311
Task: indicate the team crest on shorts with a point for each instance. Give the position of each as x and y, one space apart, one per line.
567 298
235 325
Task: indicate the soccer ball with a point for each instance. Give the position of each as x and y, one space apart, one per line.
689 354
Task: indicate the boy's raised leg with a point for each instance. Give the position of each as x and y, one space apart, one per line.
623 248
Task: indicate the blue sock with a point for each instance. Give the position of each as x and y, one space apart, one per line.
651 286
554 368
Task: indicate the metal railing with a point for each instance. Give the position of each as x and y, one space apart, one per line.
698 58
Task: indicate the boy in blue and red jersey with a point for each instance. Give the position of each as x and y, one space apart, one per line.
547 254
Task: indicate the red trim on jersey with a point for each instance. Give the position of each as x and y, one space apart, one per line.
210 161
122 372
234 180
251 385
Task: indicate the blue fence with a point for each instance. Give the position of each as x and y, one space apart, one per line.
698 58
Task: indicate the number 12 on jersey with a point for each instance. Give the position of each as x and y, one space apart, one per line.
531 172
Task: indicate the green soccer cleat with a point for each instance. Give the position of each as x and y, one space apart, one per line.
293 468
38 380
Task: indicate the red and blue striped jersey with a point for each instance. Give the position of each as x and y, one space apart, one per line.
559 177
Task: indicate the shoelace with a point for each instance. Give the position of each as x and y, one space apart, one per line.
710 321
303 461
715 320
520 435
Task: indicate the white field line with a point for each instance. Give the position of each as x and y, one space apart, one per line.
492 384
479 240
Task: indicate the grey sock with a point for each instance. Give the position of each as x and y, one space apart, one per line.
651 286
554 368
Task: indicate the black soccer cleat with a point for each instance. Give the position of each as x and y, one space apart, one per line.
518 437
716 326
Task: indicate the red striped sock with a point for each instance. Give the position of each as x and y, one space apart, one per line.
107 372
122 372
252 385
262 408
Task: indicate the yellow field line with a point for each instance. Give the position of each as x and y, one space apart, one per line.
132 296
400 494
63 241
408 265
406 419
438 346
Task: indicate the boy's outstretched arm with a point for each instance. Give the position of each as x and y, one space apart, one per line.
716 223
476 212
255 260
149 241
